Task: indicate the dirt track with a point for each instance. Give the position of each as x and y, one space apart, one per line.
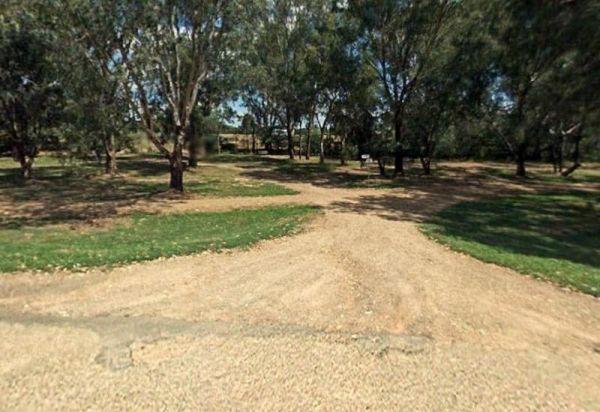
358 311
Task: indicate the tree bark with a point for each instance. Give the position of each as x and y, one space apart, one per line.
426 163
310 124
26 167
576 159
571 169
399 153
381 165
176 166
322 146
98 154
343 151
25 160
399 160
290 139
110 164
521 172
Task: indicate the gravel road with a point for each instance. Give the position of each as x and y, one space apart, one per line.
359 311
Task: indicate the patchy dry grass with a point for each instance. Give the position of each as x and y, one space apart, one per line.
64 190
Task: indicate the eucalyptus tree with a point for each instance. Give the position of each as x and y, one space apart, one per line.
31 98
451 88
248 126
400 37
258 87
278 33
167 50
333 64
262 109
354 114
532 41
99 115
569 102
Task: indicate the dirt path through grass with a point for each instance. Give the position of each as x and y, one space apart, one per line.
358 311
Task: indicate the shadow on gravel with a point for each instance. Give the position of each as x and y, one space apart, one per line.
415 205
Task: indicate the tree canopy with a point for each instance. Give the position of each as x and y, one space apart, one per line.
389 78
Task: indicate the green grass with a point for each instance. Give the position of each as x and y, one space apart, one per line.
550 236
135 173
241 189
77 190
144 237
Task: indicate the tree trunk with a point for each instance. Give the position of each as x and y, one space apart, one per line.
98 155
176 166
399 154
521 172
322 146
399 160
290 139
110 164
559 155
381 165
26 167
253 141
576 159
310 124
343 152
25 160
426 163
571 169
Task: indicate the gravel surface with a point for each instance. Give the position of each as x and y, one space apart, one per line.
359 311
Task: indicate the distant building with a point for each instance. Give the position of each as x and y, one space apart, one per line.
239 142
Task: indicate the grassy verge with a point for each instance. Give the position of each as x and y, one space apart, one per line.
550 236
145 237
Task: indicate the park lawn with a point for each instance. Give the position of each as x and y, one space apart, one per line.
145 237
226 182
138 176
550 236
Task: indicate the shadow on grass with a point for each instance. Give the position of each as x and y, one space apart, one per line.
535 176
288 170
144 167
556 226
58 194
333 175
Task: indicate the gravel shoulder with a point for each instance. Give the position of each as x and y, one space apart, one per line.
358 311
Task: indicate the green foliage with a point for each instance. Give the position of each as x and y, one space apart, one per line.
30 90
415 79
145 237
172 57
542 59
550 236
